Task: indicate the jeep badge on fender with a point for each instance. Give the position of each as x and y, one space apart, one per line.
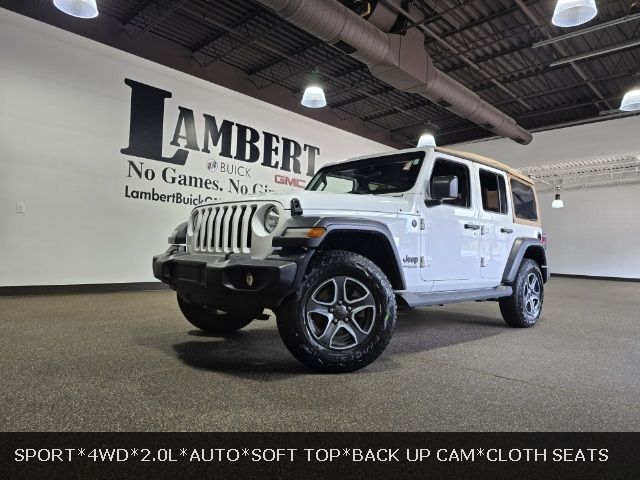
412 228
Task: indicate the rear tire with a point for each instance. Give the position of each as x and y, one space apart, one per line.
524 307
213 321
342 316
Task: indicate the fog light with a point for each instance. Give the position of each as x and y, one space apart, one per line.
249 279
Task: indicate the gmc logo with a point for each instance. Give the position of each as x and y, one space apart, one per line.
288 181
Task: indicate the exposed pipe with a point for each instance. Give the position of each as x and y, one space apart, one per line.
537 21
584 31
596 53
393 4
399 60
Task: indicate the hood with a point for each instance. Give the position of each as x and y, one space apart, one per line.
311 201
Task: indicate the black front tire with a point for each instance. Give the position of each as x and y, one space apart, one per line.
363 314
524 307
213 321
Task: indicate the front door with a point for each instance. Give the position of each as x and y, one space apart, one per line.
450 240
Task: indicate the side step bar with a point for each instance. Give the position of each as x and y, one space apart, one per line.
442 298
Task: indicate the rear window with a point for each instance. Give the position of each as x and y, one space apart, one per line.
493 190
524 201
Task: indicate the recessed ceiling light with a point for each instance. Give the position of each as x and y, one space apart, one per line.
78 8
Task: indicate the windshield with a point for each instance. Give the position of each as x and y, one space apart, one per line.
376 175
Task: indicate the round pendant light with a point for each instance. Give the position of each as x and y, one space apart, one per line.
557 203
78 8
570 13
631 101
426 140
313 97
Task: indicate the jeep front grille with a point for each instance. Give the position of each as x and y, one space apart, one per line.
223 228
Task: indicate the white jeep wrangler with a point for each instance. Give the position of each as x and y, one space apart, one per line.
412 228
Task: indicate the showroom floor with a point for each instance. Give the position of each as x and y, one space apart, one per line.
128 361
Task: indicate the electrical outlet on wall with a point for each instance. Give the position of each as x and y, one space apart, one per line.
21 208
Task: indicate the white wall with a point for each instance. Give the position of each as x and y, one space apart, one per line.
597 231
64 118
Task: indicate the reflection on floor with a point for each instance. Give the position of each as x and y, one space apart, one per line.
129 361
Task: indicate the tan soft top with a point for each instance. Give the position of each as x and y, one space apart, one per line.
489 162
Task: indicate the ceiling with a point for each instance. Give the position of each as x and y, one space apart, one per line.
486 45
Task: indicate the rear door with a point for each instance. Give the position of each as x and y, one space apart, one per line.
497 234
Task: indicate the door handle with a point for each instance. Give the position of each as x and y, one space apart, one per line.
471 226
506 230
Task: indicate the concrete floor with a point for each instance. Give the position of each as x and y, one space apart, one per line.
129 361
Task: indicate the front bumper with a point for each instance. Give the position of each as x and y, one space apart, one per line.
234 282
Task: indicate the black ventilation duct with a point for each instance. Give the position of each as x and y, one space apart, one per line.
398 60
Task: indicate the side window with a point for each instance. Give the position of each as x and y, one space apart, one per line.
494 192
524 201
445 168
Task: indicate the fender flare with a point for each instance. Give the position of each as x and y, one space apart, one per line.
335 225
518 250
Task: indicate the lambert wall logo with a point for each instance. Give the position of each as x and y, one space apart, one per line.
251 146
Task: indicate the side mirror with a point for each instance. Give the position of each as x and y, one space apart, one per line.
443 188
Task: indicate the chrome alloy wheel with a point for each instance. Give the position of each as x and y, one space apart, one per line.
531 296
340 313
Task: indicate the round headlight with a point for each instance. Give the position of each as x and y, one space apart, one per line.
271 219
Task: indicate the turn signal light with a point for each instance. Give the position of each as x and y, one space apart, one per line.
316 232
